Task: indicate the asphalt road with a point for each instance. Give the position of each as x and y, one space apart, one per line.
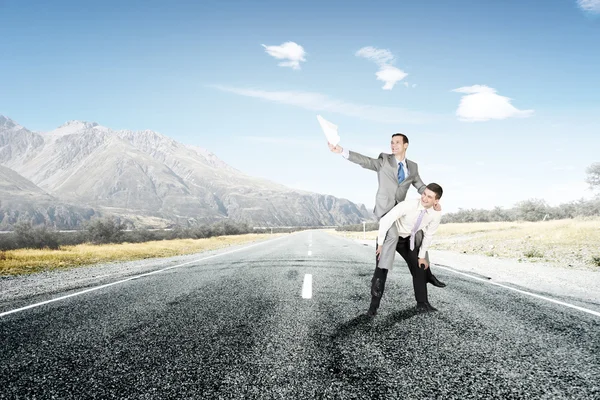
236 326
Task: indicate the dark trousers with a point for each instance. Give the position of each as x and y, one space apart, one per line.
420 275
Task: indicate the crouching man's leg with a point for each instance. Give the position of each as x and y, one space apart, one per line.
429 277
419 274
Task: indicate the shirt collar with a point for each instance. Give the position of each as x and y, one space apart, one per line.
420 207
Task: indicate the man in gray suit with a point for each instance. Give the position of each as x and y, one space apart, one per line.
395 174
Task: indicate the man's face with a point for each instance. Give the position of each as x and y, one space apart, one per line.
398 146
428 198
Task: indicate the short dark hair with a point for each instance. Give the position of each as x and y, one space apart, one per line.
437 189
404 137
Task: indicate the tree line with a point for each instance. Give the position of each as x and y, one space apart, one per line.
113 230
537 209
109 230
527 210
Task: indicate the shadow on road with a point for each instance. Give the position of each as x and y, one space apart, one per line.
397 317
364 322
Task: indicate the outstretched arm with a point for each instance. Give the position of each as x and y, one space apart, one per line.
373 164
428 233
386 222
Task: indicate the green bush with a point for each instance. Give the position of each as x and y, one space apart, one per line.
38 237
105 230
533 253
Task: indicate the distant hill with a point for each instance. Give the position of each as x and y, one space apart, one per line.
150 180
22 199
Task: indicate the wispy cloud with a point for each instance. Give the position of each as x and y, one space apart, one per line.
319 102
290 51
379 56
281 140
384 58
481 103
589 5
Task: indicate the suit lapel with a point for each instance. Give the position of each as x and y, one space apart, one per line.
393 163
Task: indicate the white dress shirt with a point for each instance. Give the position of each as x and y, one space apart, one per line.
405 215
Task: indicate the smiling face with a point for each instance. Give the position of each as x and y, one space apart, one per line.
428 198
398 146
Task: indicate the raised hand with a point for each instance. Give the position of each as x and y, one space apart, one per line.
336 149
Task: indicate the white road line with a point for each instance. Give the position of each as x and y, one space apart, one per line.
307 287
522 291
310 253
131 278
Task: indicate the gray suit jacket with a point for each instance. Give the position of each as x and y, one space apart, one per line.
389 192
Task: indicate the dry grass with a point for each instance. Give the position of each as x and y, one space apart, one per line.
28 260
574 242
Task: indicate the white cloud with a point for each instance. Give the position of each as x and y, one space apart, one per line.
319 102
379 56
290 51
589 5
481 103
390 75
384 58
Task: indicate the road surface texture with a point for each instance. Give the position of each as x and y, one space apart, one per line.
235 325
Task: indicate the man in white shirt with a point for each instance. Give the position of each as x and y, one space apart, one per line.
409 217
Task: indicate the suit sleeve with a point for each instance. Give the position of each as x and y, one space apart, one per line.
386 222
417 182
373 164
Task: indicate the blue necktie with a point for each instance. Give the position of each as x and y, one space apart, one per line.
400 173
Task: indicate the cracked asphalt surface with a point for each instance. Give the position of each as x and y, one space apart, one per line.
235 326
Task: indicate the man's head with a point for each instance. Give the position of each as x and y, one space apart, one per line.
399 144
432 195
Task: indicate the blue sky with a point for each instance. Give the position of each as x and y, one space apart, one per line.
500 99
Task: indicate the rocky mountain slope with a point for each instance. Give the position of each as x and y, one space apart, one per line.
153 180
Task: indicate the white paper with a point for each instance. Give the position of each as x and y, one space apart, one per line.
330 130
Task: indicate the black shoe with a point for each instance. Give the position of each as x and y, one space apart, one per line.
425 307
435 282
371 313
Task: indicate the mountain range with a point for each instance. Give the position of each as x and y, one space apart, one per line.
83 170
